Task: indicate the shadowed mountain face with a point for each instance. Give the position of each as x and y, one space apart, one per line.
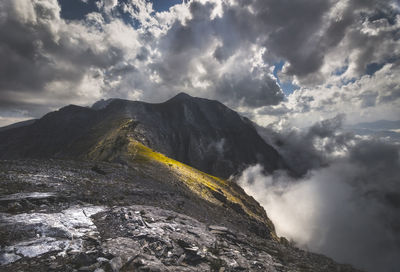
202 133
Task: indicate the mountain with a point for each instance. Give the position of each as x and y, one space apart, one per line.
378 125
19 124
120 187
381 129
202 133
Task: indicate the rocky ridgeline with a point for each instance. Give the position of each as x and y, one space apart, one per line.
72 216
201 133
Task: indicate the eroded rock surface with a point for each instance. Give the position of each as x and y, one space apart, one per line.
65 216
131 238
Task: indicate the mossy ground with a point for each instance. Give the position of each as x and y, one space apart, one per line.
213 189
120 143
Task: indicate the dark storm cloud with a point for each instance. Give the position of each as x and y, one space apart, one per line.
48 62
15 108
300 32
300 148
303 32
218 50
373 48
380 45
37 50
345 205
180 46
376 155
235 28
185 41
21 68
248 91
293 27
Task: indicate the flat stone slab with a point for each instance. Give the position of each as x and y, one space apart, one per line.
32 195
47 232
218 228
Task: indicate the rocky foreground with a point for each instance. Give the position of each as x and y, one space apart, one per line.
77 216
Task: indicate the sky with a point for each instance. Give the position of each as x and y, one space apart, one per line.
286 62
302 70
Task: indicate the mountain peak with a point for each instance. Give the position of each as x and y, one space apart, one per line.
182 97
102 103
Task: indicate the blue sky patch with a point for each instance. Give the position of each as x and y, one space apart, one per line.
373 67
287 87
348 81
341 70
163 5
76 9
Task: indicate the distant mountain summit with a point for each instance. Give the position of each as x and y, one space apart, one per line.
101 104
202 133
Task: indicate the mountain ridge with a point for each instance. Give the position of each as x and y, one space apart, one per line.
199 132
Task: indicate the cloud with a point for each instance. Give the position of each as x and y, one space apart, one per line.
41 61
312 148
48 62
218 147
368 98
203 55
223 50
345 205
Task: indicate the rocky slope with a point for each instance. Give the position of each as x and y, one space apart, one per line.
59 215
